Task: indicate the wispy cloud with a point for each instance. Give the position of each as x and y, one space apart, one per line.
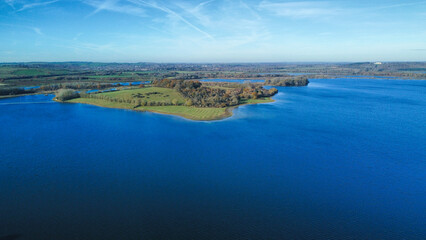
33 5
171 13
37 30
138 8
77 36
197 12
400 5
250 9
11 3
114 6
304 9
235 23
15 26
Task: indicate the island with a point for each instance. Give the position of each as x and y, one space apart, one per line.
193 100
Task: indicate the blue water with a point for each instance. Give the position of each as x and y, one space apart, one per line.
97 90
356 77
298 74
31 87
131 83
232 80
339 159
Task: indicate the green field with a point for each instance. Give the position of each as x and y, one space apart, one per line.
149 94
122 75
162 95
194 113
256 101
6 72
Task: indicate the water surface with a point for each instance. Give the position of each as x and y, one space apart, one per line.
232 80
339 159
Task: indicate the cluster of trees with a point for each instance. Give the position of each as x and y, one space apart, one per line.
4 91
137 102
15 91
201 96
67 94
287 82
76 86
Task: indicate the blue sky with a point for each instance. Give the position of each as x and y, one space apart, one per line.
212 31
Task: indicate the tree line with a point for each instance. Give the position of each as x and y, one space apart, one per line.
136 102
15 91
287 82
76 86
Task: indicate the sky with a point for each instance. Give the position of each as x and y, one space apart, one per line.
212 30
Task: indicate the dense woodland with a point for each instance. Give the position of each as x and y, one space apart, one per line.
201 96
287 82
15 91
5 91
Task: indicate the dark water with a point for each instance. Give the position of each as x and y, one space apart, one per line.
232 80
339 159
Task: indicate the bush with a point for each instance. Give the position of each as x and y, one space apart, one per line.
188 102
66 94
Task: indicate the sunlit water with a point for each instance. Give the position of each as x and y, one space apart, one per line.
339 159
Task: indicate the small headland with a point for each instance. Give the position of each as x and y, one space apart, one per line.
186 98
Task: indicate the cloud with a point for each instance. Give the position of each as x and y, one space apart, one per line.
137 8
77 36
235 24
15 26
299 9
400 5
171 13
197 13
250 9
114 6
33 5
10 3
37 30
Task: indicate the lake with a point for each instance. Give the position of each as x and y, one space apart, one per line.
233 80
339 159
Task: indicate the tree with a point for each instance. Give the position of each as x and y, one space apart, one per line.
66 94
188 102
174 101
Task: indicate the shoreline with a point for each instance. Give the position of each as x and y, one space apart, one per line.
228 111
28 94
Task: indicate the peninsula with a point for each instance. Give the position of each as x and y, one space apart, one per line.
189 99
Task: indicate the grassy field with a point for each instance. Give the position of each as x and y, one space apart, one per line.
194 113
162 95
122 75
256 101
6 72
148 94
201 114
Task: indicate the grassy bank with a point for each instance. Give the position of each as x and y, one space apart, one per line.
202 114
162 95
